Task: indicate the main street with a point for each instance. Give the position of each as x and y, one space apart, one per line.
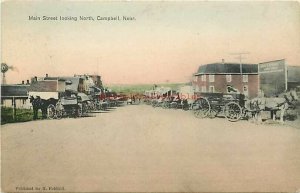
139 148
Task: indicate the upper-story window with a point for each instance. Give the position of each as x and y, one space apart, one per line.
203 89
203 77
228 78
245 90
195 78
211 78
245 78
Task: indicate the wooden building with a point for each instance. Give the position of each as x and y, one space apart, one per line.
14 95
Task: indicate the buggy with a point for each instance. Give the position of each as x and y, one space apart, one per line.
68 105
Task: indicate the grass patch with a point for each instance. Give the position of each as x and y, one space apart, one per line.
22 115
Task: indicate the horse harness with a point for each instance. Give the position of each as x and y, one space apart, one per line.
287 100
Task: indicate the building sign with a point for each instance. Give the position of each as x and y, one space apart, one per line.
273 66
273 77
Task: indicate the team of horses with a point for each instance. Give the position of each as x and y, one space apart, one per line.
280 104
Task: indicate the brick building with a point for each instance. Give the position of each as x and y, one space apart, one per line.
218 77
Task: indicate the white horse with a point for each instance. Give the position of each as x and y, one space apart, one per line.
274 104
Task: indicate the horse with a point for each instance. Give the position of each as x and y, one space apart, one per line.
38 103
273 104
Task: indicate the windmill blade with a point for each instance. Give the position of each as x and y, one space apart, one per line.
13 68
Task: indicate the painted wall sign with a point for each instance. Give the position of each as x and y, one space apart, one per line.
273 77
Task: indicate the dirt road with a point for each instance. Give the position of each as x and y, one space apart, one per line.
139 148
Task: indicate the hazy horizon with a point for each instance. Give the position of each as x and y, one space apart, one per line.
164 43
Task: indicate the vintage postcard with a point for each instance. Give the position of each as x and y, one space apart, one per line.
150 96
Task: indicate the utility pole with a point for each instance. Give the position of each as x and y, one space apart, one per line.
240 57
97 66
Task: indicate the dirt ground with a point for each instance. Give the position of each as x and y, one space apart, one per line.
137 148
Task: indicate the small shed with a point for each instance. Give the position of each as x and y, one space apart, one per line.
14 94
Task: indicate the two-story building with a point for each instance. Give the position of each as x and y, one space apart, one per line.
220 77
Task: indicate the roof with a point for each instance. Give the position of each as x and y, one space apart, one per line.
74 83
43 86
293 73
51 78
14 90
227 68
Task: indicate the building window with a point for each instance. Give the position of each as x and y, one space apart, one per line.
211 89
228 77
228 89
245 78
195 78
203 89
196 88
203 78
211 78
245 90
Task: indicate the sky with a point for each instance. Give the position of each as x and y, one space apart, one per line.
166 41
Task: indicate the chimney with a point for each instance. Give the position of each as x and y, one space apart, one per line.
27 82
223 61
22 81
35 78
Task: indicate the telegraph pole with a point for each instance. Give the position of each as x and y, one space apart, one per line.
240 57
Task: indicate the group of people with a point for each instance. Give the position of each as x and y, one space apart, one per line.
133 99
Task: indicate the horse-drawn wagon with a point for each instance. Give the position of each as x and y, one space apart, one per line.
235 106
231 105
68 105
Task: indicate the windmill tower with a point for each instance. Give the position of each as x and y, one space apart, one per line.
4 69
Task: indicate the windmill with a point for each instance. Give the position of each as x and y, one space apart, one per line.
4 69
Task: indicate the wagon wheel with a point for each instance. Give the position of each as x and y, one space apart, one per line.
202 108
165 105
84 108
98 106
90 107
154 104
51 114
233 111
79 111
185 106
94 106
59 110
174 105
